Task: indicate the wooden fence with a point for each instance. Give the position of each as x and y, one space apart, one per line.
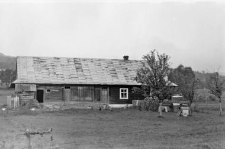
13 102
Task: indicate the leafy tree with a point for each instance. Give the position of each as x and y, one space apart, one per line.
7 62
7 76
215 85
152 75
184 77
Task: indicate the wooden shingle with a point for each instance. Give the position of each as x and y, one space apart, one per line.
56 70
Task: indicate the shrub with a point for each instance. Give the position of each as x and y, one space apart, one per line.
194 107
149 104
212 98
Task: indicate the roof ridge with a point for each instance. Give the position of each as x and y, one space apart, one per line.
76 58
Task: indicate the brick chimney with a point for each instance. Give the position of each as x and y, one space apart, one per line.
126 57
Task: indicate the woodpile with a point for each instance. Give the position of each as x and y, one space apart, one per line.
25 97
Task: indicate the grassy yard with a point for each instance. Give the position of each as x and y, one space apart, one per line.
117 129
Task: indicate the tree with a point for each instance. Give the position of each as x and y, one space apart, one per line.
184 77
7 76
152 75
215 85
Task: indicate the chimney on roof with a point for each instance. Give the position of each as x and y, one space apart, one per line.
126 57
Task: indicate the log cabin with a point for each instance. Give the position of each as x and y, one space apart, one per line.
60 79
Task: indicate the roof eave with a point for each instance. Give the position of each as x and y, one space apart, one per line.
76 83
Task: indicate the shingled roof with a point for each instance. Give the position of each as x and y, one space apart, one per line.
58 70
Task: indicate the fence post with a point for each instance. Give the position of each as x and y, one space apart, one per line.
9 101
17 101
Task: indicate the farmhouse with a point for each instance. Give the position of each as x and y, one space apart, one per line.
59 79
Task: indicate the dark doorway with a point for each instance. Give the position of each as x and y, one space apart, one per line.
40 96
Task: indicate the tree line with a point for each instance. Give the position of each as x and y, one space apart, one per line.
7 62
7 76
155 85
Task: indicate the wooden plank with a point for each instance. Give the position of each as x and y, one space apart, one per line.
25 87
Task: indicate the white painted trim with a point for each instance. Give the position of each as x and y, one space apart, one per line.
127 91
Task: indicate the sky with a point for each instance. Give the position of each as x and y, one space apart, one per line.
192 33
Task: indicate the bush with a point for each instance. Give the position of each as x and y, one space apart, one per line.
149 104
32 103
194 107
201 98
212 98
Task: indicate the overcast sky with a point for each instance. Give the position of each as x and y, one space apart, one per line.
191 33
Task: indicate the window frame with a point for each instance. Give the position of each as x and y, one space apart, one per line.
127 92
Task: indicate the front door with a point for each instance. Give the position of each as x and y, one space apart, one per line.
40 96
66 94
105 95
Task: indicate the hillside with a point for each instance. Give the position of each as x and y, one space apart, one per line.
7 62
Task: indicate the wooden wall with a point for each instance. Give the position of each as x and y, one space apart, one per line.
25 96
97 94
52 93
25 92
82 93
114 95
25 87
87 93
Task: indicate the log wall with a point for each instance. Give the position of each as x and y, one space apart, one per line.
25 96
52 93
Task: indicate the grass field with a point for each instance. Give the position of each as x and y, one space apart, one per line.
118 129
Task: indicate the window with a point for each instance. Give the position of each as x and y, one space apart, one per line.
123 93
48 91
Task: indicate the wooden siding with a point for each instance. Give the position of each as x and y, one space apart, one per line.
97 94
52 93
25 87
114 95
82 93
104 93
26 96
88 93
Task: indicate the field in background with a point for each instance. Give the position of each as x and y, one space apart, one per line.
203 94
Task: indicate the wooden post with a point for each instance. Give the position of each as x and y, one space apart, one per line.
29 133
160 109
9 101
51 144
220 107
